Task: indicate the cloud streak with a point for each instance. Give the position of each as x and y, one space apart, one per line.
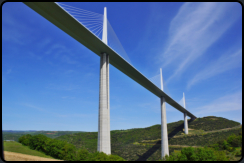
13 30
193 30
224 63
73 115
226 103
63 87
55 114
34 107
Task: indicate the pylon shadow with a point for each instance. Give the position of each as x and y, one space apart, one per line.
157 146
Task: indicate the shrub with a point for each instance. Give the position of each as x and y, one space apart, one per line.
97 156
220 156
25 139
206 154
100 156
238 153
37 142
225 145
214 146
62 150
231 138
115 158
82 154
68 152
172 157
191 154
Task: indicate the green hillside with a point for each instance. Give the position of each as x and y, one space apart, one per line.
13 146
145 143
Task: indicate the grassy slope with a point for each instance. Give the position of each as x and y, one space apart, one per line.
19 148
130 144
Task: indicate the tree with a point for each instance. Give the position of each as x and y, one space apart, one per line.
225 144
191 154
68 152
25 139
214 146
205 154
100 156
82 154
97 156
115 158
220 156
231 138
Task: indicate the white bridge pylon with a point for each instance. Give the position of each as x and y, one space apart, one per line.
164 130
185 115
103 141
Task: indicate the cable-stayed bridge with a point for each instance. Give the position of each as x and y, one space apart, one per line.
87 27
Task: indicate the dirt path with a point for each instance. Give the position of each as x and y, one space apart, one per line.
210 131
12 156
223 129
185 146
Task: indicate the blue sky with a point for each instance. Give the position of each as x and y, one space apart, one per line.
51 82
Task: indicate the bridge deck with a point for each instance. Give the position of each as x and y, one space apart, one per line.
56 15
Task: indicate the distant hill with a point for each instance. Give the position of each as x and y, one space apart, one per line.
15 135
145 143
17 131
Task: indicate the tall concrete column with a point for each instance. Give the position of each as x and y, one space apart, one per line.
185 115
164 130
108 103
185 123
104 142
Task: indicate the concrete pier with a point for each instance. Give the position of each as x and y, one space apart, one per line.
164 130
185 115
185 123
104 142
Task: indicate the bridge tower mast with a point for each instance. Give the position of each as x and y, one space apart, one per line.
164 131
104 142
185 115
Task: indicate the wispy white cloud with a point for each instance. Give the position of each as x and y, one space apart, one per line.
155 107
64 87
9 71
56 51
226 103
67 59
4 80
67 97
73 115
11 33
35 56
224 63
43 43
53 124
33 107
193 30
69 71
5 76
55 114
61 52
117 119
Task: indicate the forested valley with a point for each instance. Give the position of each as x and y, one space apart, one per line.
209 138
